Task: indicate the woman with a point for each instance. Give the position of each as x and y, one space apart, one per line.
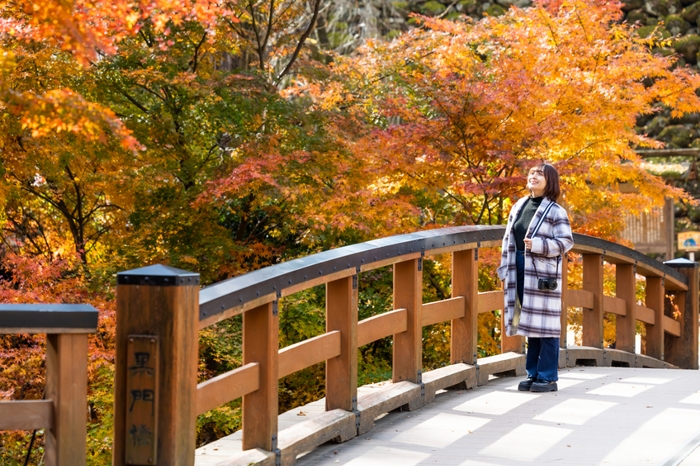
537 236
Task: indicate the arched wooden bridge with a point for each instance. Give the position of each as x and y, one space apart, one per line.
160 309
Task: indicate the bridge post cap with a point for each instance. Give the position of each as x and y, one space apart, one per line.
158 275
681 262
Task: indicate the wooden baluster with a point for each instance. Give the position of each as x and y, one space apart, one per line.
157 324
341 371
408 346
655 333
593 318
66 387
261 345
626 289
465 282
683 351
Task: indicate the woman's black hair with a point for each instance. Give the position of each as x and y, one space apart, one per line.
551 177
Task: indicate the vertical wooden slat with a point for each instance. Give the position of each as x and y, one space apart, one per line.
66 387
408 291
655 333
465 282
625 289
163 302
683 351
593 318
341 371
564 290
260 344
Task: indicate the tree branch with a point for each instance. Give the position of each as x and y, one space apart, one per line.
136 103
300 44
196 52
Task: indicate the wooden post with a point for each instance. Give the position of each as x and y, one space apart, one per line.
655 333
593 318
156 366
564 311
341 371
408 345
465 282
625 289
261 345
683 351
66 387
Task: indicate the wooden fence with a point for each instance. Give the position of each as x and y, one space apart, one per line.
63 411
166 304
161 309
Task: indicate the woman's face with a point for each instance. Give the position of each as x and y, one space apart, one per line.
536 181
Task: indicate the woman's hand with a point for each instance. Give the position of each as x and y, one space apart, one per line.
528 244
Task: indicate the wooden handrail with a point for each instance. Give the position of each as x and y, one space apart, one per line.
307 353
233 296
26 415
226 387
672 327
256 295
381 326
644 314
490 301
442 311
62 413
47 318
615 305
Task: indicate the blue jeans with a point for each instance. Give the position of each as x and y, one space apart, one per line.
542 360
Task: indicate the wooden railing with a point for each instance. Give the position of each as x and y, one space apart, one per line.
63 411
155 414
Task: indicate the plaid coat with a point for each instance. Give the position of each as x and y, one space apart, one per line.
541 309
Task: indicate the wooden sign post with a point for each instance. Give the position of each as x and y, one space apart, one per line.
156 367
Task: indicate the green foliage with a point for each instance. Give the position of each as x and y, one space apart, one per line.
100 416
219 422
302 315
433 7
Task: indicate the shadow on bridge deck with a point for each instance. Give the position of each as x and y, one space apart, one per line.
600 415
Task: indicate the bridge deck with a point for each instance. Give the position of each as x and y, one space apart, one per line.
600 415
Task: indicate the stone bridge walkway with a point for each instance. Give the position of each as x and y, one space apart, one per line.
600 415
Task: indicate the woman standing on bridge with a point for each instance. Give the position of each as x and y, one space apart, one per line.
537 236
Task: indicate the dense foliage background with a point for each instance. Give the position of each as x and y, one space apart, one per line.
225 137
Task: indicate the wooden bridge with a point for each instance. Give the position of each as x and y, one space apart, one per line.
160 309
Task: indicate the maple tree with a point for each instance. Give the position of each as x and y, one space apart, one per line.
460 109
218 138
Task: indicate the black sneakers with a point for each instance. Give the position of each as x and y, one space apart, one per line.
530 385
542 386
525 385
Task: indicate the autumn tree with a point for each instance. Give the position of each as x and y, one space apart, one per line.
217 138
461 109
